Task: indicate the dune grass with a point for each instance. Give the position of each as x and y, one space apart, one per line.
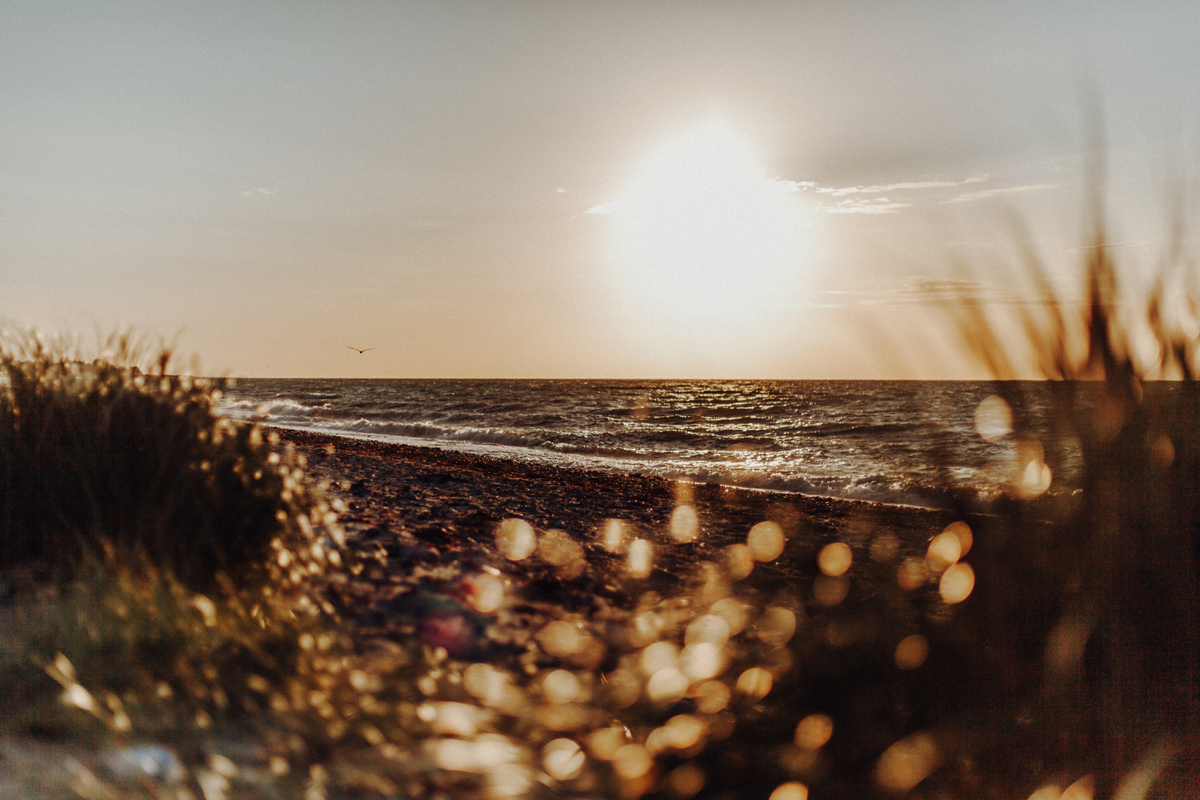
1102 606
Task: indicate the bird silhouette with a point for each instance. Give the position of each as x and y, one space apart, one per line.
360 352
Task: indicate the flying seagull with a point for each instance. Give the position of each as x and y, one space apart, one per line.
360 352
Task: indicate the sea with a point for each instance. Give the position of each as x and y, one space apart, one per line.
898 442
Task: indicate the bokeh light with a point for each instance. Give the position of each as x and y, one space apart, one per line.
1082 789
957 583
685 525
962 531
485 592
641 558
885 547
702 660
613 536
792 790
755 684
765 541
562 552
560 686
684 781
993 418
711 628
829 591
776 625
834 559
563 759
733 612
814 731
632 761
908 762
711 697
739 561
944 550
912 574
515 539
912 651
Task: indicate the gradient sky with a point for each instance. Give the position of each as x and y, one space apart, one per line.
272 182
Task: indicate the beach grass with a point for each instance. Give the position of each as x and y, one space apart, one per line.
1105 601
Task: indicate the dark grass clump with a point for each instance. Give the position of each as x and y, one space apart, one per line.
100 462
164 578
1086 617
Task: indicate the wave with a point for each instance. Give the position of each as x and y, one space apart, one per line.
893 443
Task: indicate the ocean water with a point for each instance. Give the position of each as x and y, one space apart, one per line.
903 442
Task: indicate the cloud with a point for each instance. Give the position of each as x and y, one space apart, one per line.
261 190
879 205
964 198
606 208
920 290
895 187
858 205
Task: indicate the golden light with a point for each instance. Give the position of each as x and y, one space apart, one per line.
912 573
515 539
632 761
755 683
563 759
702 236
834 559
957 583
993 418
814 731
701 660
711 697
907 762
710 628
560 686
485 592
613 536
912 651
765 541
641 558
962 532
776 626
739 561
684 781
944 551
605 742
829 591
562 552
685 526
733 611
792 790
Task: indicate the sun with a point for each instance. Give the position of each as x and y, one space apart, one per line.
702 237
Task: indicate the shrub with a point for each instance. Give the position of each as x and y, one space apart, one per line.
102 462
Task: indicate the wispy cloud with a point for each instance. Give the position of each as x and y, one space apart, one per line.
260 191
879 205
928 291
895 187
986 193
849 199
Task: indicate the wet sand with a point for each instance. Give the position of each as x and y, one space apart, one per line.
431 516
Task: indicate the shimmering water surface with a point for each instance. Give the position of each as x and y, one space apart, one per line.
890 441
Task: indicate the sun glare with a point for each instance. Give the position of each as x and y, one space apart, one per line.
703 236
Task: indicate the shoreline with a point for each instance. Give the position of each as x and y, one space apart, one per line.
433 511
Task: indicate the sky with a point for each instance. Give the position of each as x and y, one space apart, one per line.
574 189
